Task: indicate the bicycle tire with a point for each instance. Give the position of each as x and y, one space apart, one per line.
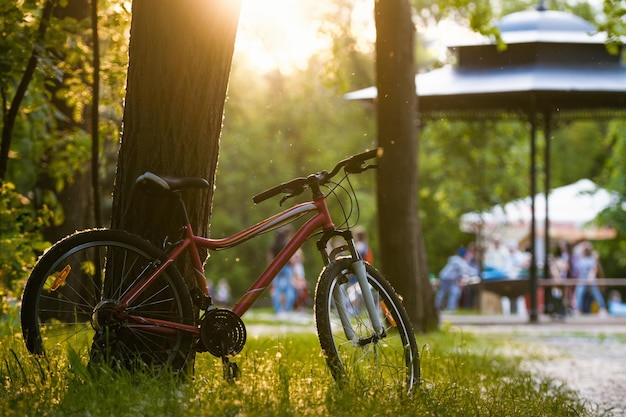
391 362
70 297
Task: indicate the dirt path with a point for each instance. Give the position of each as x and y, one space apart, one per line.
588 354
593 366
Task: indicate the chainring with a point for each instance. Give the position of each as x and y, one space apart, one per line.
222 333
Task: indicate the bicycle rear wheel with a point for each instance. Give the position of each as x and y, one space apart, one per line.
71 302
390 361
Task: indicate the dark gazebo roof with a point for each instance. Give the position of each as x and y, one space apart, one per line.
553 62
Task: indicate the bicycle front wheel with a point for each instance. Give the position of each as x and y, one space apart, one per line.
355 352
72 302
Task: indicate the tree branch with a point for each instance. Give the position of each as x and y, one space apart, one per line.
11 115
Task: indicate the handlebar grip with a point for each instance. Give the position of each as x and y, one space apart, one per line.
297 185
354 164
259 198
293 187
374 153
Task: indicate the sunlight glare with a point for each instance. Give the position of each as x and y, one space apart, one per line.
279 34
449 33
284 34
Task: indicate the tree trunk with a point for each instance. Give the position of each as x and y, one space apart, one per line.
180 57
401 242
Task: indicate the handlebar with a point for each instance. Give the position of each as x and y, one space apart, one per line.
351 165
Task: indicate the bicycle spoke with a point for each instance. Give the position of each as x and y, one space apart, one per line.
78 308
387 359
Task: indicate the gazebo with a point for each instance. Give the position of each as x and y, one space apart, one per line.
555 67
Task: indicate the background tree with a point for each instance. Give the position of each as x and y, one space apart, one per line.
180 59
73 120
10 112
402 248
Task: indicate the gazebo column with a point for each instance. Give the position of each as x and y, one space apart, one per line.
534 315
547 164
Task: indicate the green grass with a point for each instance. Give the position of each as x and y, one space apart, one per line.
284 375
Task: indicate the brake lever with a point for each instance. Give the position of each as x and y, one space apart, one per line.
357 169
285 198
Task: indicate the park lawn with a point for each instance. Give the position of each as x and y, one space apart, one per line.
285 375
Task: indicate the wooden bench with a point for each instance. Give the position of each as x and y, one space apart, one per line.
569 282
515 287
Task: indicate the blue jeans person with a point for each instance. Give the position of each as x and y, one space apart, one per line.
284 294
451 289
595 292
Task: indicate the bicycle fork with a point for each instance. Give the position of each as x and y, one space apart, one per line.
342 302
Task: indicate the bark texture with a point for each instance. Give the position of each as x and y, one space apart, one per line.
402 246
180 59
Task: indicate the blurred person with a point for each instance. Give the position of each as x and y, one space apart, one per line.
498 258
616 306
222 294
450 279
299 281
559 300
518 260
283 290
469 293
587 270
565 262
362 245
505 262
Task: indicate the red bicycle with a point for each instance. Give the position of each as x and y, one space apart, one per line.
113 295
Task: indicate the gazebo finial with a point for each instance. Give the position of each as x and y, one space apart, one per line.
541 6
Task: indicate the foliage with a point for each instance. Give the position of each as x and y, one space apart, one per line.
284 374
614 23
613 177
278 127
49 139
19 26
50 146
467 167
20 239
348 63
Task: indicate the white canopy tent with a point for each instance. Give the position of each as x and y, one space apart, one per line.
571 210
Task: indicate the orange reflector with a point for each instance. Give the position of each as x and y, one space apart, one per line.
60 278
388 314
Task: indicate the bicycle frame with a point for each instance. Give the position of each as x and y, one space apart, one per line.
321 220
